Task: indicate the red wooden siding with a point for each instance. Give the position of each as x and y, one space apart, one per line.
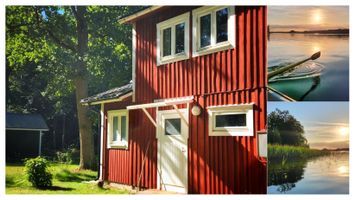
117 162
235 76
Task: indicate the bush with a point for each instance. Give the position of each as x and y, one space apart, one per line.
37 172
64 157
68 156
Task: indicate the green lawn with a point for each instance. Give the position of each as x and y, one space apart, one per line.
66 180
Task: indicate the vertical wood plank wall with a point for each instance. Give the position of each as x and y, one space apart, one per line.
235 76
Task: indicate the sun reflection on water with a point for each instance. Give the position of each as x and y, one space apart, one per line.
343 170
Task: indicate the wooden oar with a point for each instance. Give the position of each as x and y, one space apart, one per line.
289 67
281 95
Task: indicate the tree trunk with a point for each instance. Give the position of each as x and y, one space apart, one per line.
87 156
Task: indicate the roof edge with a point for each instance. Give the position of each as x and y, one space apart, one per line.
103 101
138 14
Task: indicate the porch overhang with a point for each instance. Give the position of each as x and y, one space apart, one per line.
164 102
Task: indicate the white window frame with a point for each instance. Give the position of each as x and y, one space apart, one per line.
171 23
247 130
116 144
214 46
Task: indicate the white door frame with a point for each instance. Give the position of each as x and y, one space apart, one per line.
159 131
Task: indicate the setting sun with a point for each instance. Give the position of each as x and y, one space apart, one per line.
317 17
344 131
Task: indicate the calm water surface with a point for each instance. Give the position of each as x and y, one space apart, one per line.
322 175
333 84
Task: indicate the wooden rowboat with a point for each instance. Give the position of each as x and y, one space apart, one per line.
293 71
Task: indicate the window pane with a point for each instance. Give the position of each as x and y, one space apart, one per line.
123 128
167 42
233 120
114 128
180 38
222 25
173 126
205 30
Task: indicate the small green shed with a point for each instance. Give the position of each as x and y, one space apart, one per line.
24 136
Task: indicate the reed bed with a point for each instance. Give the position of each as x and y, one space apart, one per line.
286 152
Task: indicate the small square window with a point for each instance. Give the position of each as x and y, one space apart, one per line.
173 126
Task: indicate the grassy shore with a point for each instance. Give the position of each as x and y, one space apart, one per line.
66 180
293 152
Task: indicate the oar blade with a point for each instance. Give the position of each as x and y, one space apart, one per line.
315 56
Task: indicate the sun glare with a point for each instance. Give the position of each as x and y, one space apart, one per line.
344 131
317 16
343 170
315 48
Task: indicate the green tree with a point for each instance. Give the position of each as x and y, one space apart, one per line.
56 54
285 129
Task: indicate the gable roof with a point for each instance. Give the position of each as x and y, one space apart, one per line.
139 13
112 94
19 121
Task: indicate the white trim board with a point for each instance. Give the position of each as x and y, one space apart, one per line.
134 45
163 102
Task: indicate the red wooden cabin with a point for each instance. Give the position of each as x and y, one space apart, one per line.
190 119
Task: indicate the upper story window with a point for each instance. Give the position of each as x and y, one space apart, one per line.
173 39
213 29
117 129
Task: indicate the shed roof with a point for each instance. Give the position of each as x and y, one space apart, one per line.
19 121
111 94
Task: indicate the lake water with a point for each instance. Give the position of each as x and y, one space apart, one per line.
332 84
323 175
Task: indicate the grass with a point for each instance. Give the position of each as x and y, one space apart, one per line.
66 180
285 152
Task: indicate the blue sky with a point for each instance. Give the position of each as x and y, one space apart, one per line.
325 123
285 18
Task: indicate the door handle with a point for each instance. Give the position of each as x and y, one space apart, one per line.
183 149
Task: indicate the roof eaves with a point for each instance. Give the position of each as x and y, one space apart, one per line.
138 14
112 95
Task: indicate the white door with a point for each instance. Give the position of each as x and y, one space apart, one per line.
172 134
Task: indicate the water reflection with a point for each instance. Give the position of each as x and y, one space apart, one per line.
333 83
322 175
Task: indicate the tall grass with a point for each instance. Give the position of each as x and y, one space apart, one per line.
286 152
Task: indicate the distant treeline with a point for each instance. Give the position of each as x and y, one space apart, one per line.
329 31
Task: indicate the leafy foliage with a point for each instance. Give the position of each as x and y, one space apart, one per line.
285 129
41 60
37 172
